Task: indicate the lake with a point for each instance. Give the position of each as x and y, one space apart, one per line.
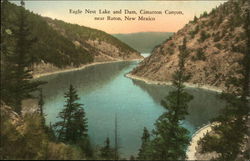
106 92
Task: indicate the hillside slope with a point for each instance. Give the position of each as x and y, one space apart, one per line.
25 138
143 42
102 45
215 41
62 44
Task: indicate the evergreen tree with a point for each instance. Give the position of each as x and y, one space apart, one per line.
195 19
48 129
171 139
7 48
146 136
16 69
228 135
145 151
72 127
107 152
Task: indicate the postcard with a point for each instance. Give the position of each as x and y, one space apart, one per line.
125 80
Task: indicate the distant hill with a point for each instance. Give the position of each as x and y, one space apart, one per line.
143 42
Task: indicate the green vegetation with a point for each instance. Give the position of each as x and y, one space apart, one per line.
200 55
170 139
55 44
79 33
232 122
218 46
107 152
28 136
204 14
16 61
23 137
145 151
195 31
216 37
49 45
30 140
203 36
195 19
31 143
72 127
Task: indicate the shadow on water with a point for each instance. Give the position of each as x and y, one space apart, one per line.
204 107
87 80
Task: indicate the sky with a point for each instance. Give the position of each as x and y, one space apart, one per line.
163 22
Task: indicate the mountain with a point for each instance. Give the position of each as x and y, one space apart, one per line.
215 42
99 43
143 42
62 44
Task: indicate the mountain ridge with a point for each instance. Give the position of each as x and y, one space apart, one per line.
215 42
60 45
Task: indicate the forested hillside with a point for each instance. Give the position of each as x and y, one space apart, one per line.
63 44
49 46
99 43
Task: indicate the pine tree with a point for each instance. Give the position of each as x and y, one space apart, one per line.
7 49
195 19
16 69
73 124
107 152
171 139
145 151
228 136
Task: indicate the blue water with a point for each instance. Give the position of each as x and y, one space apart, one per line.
106 92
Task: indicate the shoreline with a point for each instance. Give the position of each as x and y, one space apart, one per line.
191 151
36 76
189 85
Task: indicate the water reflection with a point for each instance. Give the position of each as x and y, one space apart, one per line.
204 107
87 80
105 91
